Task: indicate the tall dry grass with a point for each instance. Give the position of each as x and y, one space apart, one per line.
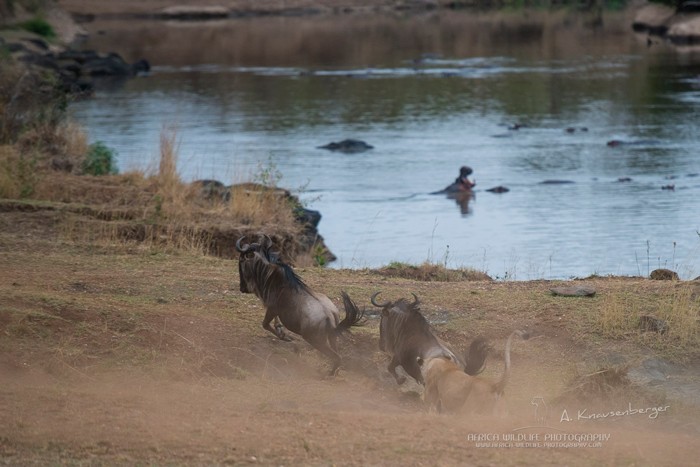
678 306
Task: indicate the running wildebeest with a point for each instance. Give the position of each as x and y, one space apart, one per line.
286 297
405 334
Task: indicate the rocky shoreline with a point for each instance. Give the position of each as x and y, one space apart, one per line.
680 26
74 68
76 71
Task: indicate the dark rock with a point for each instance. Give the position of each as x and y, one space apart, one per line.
40 60
78 86
670 186
110 65
499 189
639 142
307 216
80 56
517 126
76 68
140 67
192 13
664 275
348 146
13 47
689 6
624 179
556 182
573 291
213 190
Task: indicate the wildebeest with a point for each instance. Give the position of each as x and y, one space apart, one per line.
286 297
405 334
449 389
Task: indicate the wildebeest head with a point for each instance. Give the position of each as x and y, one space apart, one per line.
248 252
387 325
261 269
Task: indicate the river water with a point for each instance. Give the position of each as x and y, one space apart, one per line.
432 92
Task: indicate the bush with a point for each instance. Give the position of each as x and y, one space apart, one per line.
100 160
39 26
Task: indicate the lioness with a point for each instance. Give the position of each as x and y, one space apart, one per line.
449 389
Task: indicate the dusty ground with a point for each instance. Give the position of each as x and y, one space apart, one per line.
117 354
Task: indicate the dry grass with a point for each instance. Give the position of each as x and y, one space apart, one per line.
676 304
10 172
431 272
156 211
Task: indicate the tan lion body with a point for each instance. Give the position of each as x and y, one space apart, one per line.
449 389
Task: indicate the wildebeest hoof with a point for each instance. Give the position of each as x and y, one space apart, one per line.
400 379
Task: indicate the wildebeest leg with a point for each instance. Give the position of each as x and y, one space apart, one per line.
278 330
392 369
327 348
413 371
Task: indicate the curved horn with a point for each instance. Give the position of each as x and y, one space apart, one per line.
242 248
415 299
265 241
379 305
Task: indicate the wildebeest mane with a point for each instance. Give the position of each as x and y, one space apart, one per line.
266 263
406 316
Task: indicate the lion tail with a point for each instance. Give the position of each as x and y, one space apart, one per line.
500 387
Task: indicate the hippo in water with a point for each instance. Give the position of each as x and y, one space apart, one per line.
348 146
462 184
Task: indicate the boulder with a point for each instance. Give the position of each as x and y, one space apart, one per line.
680 26
193 13
663 275
685 31
499 189
573 291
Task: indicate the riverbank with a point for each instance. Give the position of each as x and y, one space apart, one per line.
242 8
125 352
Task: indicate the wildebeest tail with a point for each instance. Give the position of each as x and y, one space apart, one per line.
501 385
353 315
475 359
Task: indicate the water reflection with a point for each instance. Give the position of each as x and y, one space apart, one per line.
429 92
462 200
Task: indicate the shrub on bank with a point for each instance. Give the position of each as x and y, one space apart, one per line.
39 26
100 160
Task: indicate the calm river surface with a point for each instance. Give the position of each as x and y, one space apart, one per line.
431 93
